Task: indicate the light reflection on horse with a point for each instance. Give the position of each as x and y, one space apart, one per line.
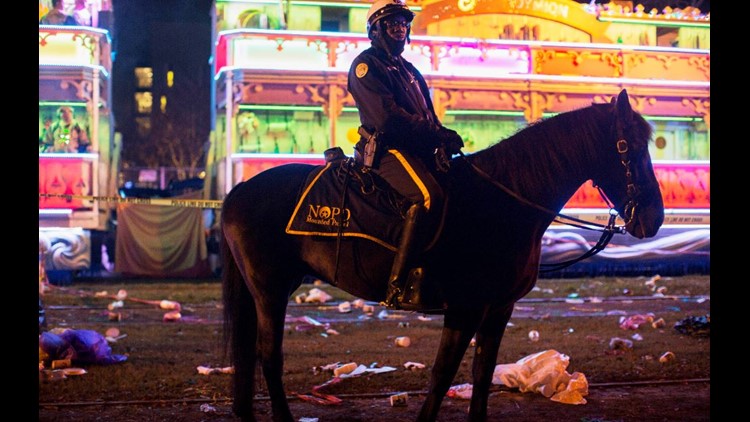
487 257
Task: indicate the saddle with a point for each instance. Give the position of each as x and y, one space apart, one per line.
343 198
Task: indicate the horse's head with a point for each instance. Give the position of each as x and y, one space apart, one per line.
627 175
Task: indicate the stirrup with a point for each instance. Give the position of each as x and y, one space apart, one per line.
392 298
410 297
407 297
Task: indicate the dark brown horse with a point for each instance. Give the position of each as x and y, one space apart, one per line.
487 257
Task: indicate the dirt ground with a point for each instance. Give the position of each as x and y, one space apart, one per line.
684 402
653 400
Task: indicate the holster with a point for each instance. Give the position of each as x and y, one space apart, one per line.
370 148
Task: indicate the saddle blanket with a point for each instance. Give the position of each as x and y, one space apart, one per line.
364 208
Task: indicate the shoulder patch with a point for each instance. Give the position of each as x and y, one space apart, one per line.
361 70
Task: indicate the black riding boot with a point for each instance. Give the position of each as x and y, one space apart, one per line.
403 288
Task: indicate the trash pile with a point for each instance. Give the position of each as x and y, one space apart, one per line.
696 326
544 373
340 372
618 345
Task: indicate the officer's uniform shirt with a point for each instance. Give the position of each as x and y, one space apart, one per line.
393 98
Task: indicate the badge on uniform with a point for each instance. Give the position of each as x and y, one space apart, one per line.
361 70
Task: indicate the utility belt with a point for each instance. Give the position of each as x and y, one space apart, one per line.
371 152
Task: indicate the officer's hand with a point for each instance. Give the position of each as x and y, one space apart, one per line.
452 141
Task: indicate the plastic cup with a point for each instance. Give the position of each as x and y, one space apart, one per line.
666 357
345 369
403 341
399 400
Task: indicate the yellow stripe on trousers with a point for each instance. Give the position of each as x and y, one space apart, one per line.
414 176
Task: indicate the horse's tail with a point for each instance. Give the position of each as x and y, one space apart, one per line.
240 330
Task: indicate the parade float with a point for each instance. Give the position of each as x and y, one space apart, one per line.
75 64
493 67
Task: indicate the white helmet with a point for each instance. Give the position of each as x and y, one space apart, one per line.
383 8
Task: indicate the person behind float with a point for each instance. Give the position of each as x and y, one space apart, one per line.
81 13
57 15
58 137
402 140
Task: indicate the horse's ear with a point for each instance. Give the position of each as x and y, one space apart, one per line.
624 111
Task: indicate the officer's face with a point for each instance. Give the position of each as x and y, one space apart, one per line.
396 27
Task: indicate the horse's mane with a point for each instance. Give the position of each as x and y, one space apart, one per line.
566 143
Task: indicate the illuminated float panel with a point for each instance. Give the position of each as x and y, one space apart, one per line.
74 45
66 174
74 71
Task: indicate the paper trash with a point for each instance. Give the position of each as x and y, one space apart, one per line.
362 369
461 391
316 295
544 373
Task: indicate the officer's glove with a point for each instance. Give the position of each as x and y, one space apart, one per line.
451 141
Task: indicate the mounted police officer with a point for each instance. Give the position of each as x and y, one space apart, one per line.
401 135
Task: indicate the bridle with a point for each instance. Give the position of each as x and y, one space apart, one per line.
607 230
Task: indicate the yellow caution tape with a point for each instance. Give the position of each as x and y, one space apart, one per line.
169 202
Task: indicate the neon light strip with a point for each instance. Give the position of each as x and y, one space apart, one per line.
63 103
75 28
55 212
583 79
277 156
673 118
280 107
511 77
291 108
252 33
469 42
90 155
675 23
311 3
683 162
67 229
483 113
92 67
355 110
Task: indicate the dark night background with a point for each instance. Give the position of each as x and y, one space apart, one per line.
163 35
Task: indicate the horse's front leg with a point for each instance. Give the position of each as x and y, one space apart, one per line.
457 333
489 335
271 315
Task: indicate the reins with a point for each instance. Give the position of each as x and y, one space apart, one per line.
348 163
607 230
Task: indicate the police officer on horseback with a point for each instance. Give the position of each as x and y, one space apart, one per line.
402 139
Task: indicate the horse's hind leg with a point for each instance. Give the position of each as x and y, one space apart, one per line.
457 333
260 308
489 335
244 366
271 313
241 330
